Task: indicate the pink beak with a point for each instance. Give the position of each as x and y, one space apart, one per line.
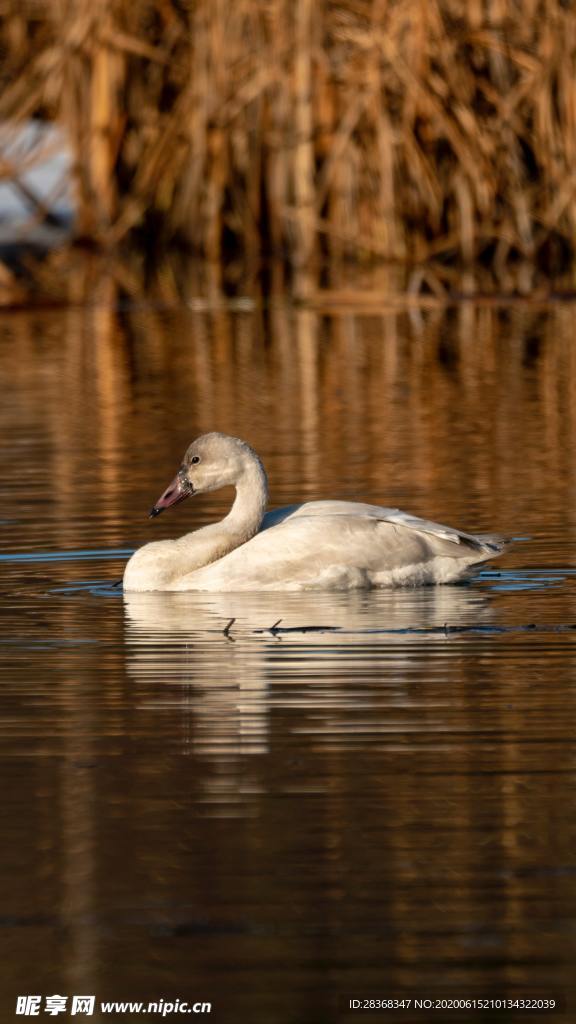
178 490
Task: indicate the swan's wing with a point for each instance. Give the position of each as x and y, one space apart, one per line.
342 545
481 542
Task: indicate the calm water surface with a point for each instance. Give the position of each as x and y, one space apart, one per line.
273 820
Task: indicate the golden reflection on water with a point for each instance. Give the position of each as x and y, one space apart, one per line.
266 819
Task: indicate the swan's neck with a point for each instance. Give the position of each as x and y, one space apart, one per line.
212 542
246 514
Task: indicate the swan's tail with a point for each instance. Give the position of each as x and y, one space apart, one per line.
491 543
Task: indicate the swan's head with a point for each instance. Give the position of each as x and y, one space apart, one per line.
212 461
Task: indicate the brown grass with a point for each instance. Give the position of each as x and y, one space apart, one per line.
399 129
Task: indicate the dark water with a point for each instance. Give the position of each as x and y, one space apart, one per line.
276 820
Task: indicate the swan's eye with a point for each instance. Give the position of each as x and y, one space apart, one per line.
195 459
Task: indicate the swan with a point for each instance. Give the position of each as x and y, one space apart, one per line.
325 545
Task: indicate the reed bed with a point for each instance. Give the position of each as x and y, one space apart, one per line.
314 130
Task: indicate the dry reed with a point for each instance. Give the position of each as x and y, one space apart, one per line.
399 129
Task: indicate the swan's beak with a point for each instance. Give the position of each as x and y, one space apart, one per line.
178 490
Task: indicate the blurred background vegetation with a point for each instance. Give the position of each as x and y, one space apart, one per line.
430 134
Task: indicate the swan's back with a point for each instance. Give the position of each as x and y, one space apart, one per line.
489 542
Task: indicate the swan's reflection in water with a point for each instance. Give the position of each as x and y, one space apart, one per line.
221 686
179 616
